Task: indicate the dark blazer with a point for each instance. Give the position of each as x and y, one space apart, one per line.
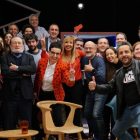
11 77
46 40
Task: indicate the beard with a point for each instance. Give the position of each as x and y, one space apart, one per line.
15 51
128 62
32 49
89 55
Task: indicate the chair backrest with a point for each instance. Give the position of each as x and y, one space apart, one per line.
47 117
113 105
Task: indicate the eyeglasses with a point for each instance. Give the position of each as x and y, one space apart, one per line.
14 43
88 48
53 53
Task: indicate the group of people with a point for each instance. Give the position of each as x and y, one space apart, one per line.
36 65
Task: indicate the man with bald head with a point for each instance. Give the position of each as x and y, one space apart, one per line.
17 90
94 66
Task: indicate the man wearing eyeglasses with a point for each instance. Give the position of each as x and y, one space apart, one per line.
17 90
94 65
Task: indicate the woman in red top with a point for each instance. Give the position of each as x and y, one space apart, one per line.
72 58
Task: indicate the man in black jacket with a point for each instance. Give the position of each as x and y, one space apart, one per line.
126 83
17 90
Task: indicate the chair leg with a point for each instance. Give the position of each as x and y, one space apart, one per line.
135 134
79 136
47 137
60 137
63 137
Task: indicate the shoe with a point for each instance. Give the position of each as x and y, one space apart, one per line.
83 135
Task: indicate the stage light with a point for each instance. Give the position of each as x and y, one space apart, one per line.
80 6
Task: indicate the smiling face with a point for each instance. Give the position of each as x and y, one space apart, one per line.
53 31
102 45
68 45
120 38
125 55
90 49
136 52
17 45
13 30
54 54
7 39
32 44
27 31
34 21
111 55
79 45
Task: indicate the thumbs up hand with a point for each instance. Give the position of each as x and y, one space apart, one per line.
88 67
92 84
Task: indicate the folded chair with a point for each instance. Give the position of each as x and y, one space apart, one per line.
48 125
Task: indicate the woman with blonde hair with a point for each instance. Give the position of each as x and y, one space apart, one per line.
72 57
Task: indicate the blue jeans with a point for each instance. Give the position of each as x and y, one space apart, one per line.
130 116
93 112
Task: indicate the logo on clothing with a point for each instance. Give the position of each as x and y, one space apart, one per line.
129 77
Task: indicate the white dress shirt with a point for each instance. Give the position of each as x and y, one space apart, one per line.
48 77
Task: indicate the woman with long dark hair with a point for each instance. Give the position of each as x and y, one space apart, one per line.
112 64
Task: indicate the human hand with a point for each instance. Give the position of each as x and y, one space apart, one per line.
13 67
98 54
88 67
92 84
35 98
72 71
43 42
58 39
26 74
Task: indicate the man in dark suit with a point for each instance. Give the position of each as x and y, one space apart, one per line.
54 32
17 91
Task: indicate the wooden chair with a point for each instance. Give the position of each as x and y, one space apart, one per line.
48 125
113 105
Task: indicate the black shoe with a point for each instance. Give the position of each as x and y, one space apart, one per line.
83 135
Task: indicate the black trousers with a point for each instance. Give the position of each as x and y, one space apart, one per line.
57 108
14 107
74 95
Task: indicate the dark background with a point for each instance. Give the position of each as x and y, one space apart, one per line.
97 15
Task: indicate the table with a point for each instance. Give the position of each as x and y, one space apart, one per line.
17 134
